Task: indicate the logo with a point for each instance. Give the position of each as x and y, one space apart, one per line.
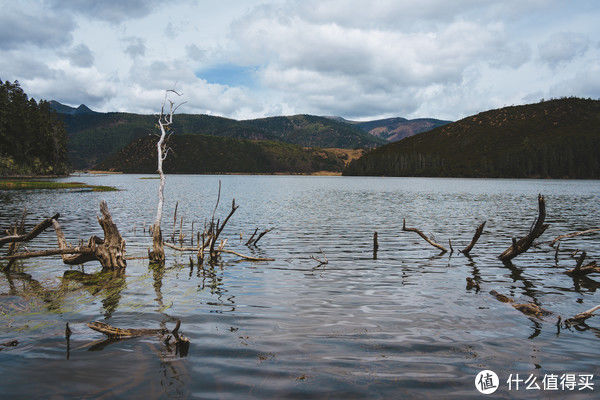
487 381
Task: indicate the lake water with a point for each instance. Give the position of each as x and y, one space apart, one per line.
401 326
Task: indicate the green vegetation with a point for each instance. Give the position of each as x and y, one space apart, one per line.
32 139
14 184
551 139
202 154
95 136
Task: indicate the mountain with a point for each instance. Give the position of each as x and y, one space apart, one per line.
94 136
64 109
394 129
552 139
204 154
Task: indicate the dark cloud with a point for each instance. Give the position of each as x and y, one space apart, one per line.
136 47
20 65
114 11
41 29
80 56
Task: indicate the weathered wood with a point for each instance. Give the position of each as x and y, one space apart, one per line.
263 233
530 309
427 239
522 245
110 251
581 317
39 228
43 253
219 228
120 333
476 237
572 234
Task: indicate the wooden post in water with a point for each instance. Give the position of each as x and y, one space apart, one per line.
375 246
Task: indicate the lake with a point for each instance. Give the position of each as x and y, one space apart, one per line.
402 326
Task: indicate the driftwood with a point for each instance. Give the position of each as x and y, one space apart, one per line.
581 270
478 232
110 251
570 235
39 228
581 317
530 309
121 333
427 239
536 230
472 284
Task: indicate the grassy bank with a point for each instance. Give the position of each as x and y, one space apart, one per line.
14 184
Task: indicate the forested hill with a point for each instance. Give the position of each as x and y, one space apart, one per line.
551 139
203 154
94 136
32 138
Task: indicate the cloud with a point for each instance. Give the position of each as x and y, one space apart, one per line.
194 53
561 48
114 11
136 47
34 27
80 56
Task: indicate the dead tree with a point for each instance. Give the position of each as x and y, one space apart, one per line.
427 239
536 230
157 254
110 251
478 233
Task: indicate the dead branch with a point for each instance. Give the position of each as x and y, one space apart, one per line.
428 240
478 232
536 230
174 223
322 261
581 317
252 242
572 234
219 229
530 309
249 242
194 249
121 333
581 270
39 228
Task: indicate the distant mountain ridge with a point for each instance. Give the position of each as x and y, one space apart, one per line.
93 136
64 109
397 128
552 139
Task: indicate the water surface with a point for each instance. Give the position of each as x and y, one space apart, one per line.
401 326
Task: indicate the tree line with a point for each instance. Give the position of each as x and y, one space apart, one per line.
33 140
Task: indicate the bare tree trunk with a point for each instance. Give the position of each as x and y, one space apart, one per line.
157 254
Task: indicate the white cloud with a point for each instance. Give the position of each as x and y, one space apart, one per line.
563 47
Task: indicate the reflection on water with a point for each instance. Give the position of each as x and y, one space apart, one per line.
403 324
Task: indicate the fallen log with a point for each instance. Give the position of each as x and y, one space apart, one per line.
581 317
43 253
536 230
530 309
121 333
572 234
478 233
39 228
428 240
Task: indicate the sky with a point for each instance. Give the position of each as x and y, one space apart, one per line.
359 59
